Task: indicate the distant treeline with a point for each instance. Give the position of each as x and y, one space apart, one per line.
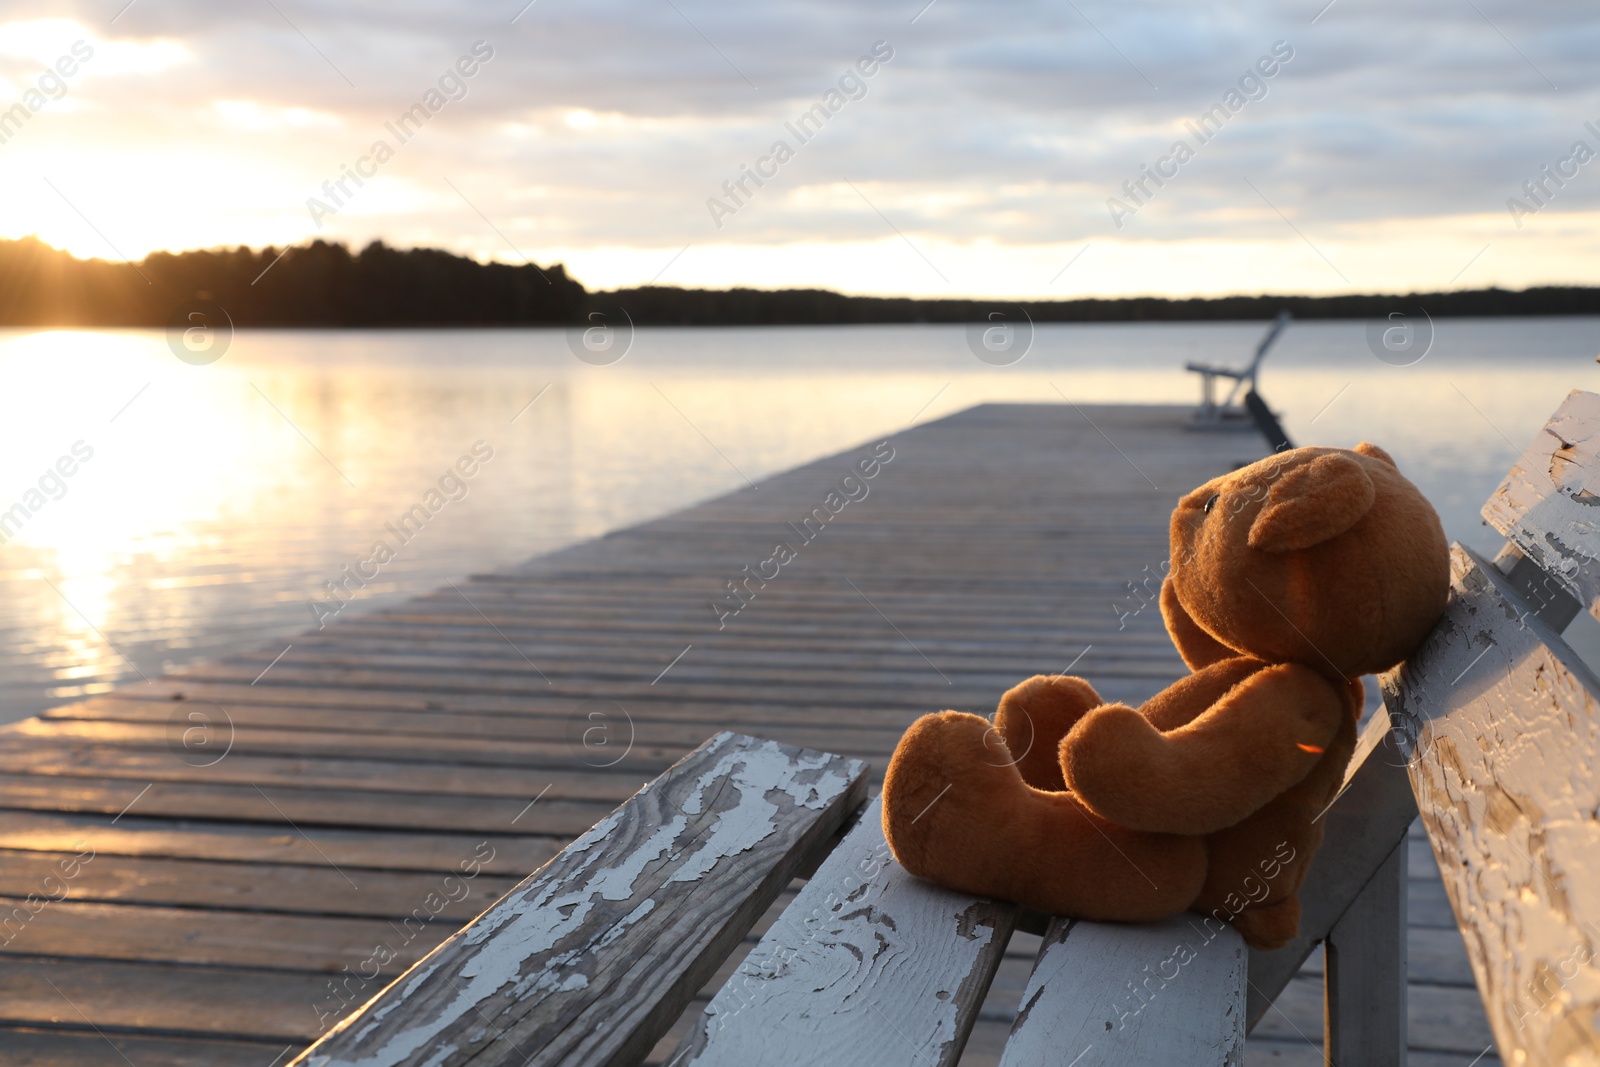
319 285
662 306
326 284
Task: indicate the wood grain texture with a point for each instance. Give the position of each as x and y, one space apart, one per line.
1112 995
1504 727
387 853
590 960
1366 822
868 966
259 887
1548 506
273 804
243 939
223 1003
44 1048
1365 968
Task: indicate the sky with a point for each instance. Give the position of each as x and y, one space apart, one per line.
953 149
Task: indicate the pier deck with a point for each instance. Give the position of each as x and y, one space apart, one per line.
212 867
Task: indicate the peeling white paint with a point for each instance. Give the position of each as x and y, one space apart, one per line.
544 939
1507 782
1549 503
1079 993
756 774
861 968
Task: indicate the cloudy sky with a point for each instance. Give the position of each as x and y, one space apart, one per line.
980 157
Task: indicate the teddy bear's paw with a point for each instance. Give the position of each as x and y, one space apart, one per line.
1035 716
1114 761
1269 927
951 777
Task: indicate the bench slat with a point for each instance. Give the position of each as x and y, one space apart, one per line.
590 960
867 966
1546 505
1506 729
1364 825
1167 992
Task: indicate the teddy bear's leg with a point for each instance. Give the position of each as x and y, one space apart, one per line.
1035 716
957 812
1270 927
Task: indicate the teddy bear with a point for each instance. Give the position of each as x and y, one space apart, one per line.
1288 580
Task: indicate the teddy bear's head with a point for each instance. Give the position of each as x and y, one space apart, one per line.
1327 557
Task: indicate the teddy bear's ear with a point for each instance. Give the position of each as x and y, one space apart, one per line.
1368 449
1313 503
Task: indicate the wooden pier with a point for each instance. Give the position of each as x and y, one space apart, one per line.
213 867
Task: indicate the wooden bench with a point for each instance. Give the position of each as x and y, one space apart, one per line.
1493 726
1230 412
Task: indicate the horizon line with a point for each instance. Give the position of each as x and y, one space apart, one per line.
349 248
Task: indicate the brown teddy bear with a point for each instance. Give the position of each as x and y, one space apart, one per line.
1289 579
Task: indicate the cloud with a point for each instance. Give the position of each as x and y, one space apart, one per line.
249 115
41 42
608 125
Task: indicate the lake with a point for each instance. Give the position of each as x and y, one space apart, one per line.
182 511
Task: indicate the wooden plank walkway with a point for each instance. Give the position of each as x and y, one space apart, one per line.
213 867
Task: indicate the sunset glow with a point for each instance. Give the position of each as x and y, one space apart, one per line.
967 163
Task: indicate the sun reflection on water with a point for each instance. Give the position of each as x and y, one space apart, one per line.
218 499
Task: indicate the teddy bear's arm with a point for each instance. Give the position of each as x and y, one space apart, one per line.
1260 738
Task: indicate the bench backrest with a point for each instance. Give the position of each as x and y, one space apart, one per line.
1499 717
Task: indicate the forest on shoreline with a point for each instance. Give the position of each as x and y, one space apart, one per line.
327 285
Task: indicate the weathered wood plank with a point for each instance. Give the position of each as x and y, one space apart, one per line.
789 703
868 965
392 850
1440 1019
641 629
590 959
314 807
1365 974
261 887
1434 955
1504 725
796 703
154 761
44 1048
579 685
1366 822
538 738
492 712
1168 992
219 1002
1438 957
220 938
136 728
488 647
1546 506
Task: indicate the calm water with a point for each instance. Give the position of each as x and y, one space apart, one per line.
218 499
